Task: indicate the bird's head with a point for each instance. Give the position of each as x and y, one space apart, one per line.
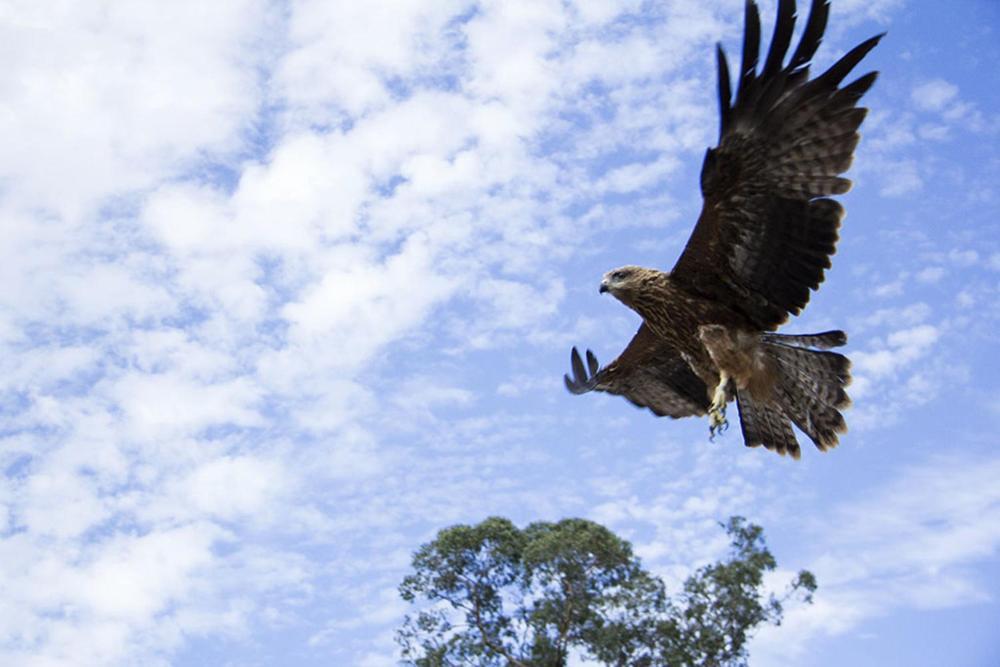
629 281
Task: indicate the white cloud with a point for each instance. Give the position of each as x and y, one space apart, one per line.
232 488
167 405
901 178
908 367
636 176
965 299
376 42
518 305
934 95
102 100
599 11
940 97
61 504
901 348
121 583
850 12
520 384
915 340
363 306
910 315
889 289
908 544
964 257
931 275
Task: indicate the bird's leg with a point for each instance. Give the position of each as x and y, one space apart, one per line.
717 422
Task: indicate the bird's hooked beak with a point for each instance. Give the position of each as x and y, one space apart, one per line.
604 287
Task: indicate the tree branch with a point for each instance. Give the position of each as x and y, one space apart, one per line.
514 662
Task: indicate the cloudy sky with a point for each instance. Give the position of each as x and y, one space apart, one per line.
288 286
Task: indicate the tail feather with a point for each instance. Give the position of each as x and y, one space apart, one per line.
817 374
767 426
821 422
808 390
820 341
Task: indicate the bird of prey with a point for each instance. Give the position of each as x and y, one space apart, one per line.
765 236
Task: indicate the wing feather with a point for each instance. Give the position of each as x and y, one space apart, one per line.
781 38
649 373
767 229
725 92
751 50
812 35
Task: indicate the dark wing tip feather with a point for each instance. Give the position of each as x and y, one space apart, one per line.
580 383
751 46
856 89
725 89
819 12
578 370
782 37
840 69
582 380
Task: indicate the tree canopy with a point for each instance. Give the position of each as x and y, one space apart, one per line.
495 595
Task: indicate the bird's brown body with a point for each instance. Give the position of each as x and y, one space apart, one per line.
676 315
763 241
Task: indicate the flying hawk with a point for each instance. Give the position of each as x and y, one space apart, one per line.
764 238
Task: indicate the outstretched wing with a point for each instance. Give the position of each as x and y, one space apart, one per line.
767 230
649 373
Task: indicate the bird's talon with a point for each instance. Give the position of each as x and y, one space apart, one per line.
717 422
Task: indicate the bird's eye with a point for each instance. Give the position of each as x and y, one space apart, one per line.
619 275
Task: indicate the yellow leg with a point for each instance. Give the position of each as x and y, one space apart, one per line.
717 422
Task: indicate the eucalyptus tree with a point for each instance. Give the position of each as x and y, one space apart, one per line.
494 595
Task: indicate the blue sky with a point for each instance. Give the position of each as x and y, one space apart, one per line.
289 286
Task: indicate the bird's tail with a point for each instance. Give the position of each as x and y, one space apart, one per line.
808 391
